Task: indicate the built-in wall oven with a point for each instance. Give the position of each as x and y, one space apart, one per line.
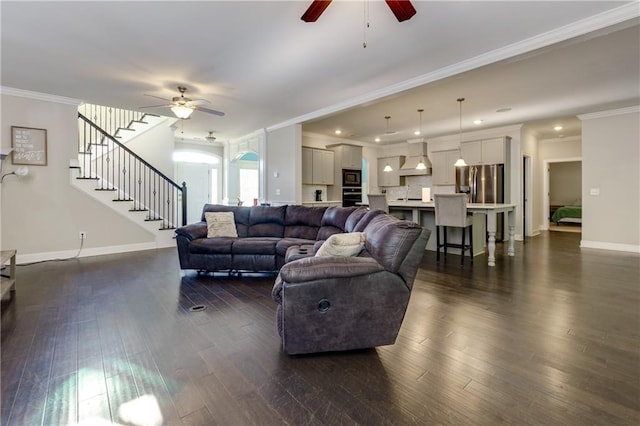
351 196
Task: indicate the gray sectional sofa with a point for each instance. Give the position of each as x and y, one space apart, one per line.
264 235
325 302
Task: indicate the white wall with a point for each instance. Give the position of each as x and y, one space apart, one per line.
610 156
284 165
42 214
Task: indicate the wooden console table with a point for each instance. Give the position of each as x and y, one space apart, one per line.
8 281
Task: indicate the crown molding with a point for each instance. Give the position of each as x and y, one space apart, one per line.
610 113
582 27
10 91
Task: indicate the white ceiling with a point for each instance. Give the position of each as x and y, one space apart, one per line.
265 68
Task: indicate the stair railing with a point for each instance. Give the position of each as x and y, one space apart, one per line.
116 168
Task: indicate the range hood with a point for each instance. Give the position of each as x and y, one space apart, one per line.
417 151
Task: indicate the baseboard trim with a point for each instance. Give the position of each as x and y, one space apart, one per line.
85 252
610 246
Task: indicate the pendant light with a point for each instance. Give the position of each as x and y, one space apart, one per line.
388 167
460 162
421 165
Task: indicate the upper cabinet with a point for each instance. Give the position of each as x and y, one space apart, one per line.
348 156
317 166
393 177
488 151
444 171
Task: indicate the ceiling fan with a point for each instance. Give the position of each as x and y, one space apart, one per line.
402 9
183 107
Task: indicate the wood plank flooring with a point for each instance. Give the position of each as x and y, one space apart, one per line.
550 336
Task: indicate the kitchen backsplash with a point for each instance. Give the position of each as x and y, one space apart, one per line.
309 193
412 189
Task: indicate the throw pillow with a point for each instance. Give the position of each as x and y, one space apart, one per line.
345 245
220 224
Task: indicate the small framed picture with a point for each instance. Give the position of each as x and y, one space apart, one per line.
29 146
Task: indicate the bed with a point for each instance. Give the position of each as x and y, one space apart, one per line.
567 214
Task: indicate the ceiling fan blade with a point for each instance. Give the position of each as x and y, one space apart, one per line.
157 97
197 102
315 10
157 106
209 111
403 9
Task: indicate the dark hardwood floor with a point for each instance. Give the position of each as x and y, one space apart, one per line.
550 336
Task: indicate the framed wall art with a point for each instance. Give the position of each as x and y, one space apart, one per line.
29 146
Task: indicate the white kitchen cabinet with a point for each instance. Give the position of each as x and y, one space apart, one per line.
323 166
348 156
391 178
317 166
487 151
307 166
443 169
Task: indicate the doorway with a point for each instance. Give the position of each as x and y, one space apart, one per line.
202 174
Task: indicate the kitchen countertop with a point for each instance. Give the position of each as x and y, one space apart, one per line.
322 202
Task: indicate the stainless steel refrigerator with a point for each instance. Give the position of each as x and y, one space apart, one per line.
484 184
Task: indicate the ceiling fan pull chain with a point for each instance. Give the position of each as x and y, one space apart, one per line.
366 23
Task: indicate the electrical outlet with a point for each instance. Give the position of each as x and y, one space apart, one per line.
83 235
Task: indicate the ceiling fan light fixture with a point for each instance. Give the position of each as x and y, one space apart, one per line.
182 111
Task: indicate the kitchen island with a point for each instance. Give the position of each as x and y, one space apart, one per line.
489 210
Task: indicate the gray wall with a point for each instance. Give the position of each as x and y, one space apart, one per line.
284 165
610 155
565 183
42 213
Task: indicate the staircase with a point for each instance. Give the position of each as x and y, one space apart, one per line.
116 176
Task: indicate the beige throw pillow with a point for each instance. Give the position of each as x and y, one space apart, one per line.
220 224
344 245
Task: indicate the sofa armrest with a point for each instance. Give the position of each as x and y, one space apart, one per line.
193 231
313 268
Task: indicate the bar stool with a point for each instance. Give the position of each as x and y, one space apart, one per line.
451 211
378 202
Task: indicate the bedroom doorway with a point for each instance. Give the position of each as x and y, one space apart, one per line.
563 184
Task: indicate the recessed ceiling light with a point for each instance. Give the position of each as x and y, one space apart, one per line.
338 131
557 128
503 109
377 139
477 122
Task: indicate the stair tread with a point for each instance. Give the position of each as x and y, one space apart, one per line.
122 199
105 189
138 210
88 178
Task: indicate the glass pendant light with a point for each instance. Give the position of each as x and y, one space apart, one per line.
421 165
460 161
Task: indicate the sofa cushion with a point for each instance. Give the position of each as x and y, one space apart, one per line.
220 224
303 222
285 243
255 245
240 216
389 240
266 221
343 245
354 218
333 221
220 245
365 219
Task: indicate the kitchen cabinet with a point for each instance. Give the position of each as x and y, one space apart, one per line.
307 166
443 169
348 156
317 166
487 151
392 178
